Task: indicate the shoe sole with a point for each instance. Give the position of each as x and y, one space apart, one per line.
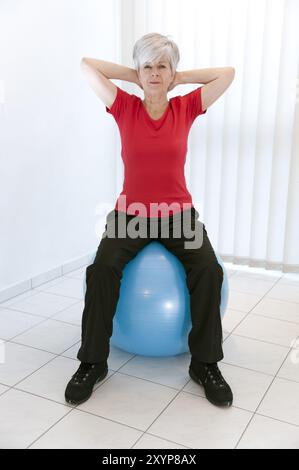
73 402
198 381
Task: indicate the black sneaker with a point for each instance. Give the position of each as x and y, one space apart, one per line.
216 388
80 387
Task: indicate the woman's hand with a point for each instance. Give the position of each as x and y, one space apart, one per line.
175 81
137 81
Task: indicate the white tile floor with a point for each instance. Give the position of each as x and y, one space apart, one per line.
152 403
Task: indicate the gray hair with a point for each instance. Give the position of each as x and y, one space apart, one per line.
153 46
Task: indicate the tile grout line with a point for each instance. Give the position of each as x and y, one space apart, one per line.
246 427
162 411
260 340
255 411
60 321
144 432
249 312
84 411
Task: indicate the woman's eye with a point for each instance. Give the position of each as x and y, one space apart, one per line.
148 66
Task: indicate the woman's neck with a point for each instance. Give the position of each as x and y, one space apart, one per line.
155 103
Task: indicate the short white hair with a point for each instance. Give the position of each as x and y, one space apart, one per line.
154 46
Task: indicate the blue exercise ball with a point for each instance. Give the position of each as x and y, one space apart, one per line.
153 316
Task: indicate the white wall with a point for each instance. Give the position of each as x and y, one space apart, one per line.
57 143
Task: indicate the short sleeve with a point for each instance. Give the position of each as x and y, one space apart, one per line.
194 103
119 105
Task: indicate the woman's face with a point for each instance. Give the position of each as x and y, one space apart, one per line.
156 77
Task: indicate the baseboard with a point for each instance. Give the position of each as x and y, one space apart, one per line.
24 286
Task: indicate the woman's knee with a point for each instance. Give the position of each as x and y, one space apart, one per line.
215 266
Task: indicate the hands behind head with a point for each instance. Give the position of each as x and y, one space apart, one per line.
138 82
175 81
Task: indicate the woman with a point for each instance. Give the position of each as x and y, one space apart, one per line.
154 134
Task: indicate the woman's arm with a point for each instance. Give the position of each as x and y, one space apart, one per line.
203 75
216 79
111 70
199 76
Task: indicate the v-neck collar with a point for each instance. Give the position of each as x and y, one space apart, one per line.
149 117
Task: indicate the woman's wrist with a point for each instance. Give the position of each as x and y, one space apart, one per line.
135 78
180 78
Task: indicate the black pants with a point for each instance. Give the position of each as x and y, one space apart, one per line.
204 277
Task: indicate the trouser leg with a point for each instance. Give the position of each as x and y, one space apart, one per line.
204 277
103 280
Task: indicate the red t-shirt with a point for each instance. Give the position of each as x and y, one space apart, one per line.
154 153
